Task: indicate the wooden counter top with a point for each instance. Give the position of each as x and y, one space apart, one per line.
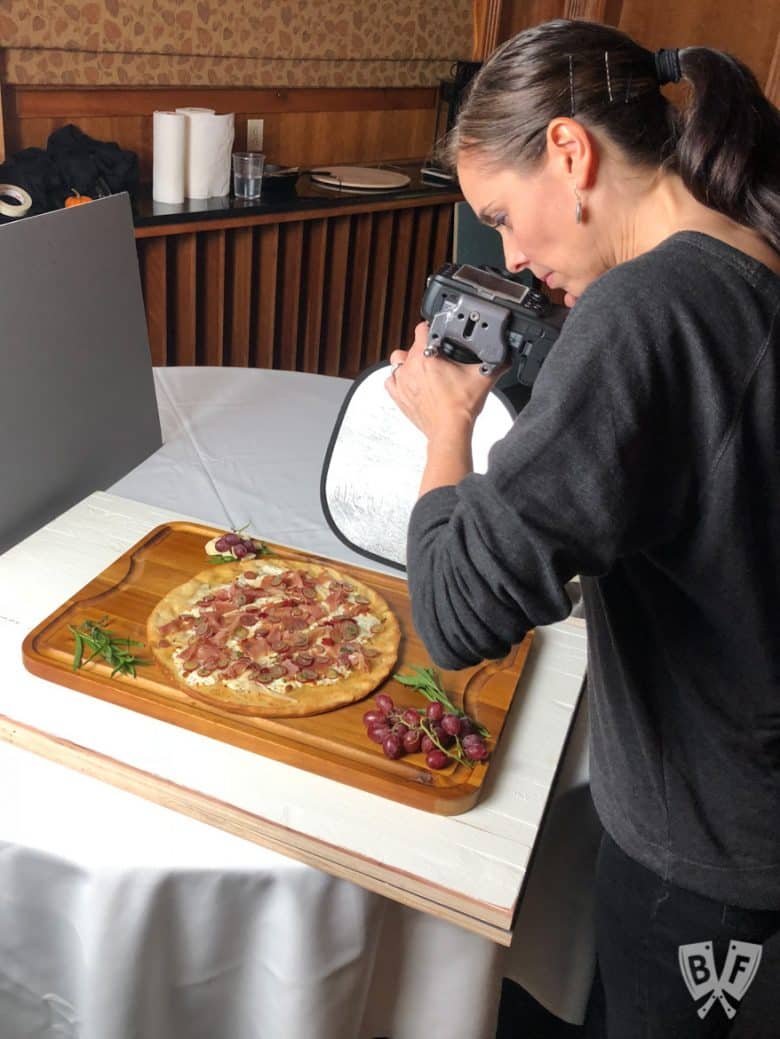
303 200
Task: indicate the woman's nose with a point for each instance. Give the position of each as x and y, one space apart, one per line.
515 258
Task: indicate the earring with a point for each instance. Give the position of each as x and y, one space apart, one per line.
578 207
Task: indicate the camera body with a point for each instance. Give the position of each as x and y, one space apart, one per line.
478 316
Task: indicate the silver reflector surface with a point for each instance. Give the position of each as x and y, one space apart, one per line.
372 471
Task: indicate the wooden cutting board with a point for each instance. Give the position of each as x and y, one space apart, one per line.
333 744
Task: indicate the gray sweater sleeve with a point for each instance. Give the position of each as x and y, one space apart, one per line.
589 471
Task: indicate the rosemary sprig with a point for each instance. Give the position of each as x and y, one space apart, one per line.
95 636
426 681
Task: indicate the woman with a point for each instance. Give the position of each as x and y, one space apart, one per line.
648 462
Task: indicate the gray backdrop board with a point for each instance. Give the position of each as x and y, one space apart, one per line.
77 402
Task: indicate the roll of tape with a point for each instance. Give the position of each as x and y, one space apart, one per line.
23 200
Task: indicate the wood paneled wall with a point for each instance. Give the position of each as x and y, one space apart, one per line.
2 125
302 126
332 293
750 30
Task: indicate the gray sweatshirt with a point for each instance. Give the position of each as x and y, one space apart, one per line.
648 462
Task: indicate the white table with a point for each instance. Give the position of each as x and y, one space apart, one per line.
119 914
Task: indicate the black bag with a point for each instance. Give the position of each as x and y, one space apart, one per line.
95 168
72 161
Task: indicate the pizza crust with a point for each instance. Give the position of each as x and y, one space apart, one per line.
300 700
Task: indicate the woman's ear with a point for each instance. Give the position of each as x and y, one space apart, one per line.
572 151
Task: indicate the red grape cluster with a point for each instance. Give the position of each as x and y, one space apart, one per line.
441 735
235 545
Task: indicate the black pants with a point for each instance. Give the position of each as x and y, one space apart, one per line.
641 923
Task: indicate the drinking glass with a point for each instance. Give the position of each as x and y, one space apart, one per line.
248 174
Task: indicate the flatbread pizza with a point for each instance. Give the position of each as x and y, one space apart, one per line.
275 637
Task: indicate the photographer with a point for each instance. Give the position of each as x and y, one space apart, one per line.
647 462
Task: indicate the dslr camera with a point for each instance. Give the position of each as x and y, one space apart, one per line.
478 316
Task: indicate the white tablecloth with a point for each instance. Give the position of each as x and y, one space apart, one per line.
119 917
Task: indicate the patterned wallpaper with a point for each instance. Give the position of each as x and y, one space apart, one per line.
235 42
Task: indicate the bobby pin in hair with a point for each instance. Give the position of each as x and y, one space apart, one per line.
571 83
627 98
609 79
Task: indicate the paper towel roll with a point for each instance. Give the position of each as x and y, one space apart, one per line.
208 150
169 132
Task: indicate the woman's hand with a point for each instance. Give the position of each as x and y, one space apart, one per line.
443 399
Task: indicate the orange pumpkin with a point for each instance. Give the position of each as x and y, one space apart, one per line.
76 199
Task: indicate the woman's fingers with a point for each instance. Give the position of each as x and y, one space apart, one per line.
421 335
418 345
397 357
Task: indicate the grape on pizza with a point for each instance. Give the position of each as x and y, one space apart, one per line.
275 637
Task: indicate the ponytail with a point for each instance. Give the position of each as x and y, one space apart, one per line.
728 145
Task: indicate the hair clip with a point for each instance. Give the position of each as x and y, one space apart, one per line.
609 78
571 83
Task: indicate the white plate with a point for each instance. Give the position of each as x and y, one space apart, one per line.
367 178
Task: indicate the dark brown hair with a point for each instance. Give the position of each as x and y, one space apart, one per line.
724 144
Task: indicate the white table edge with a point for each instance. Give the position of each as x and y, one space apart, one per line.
493 923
